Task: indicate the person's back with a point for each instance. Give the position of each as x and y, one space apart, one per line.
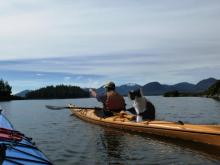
115 102
112 101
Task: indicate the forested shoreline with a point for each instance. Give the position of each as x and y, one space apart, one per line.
58 92
48 92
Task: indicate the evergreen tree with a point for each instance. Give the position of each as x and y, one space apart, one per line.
5 90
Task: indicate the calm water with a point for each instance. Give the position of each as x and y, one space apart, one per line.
67 140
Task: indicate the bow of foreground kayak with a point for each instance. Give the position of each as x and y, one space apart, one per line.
206 134
16 148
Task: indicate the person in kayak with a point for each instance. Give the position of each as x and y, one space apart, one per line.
112 101
142 108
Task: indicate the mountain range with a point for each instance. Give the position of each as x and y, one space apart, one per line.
155 88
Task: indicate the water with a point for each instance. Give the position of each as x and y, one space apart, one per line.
67 140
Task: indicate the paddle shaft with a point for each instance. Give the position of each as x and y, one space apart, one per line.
98 108
51 107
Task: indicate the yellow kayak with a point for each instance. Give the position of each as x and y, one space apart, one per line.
206 134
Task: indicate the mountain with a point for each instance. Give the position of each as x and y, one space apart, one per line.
155 88
123 89
22 93
204 84
184 87
100 90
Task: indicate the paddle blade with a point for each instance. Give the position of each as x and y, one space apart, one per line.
51 107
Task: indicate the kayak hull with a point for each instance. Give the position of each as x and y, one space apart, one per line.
206 134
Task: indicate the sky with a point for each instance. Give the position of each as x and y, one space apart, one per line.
88 43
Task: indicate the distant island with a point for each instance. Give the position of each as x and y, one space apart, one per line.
176 93
57 92
49 92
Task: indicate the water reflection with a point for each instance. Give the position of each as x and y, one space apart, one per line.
111 142
138 148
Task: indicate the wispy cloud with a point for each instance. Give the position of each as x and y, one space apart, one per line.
21 80
67 78
97 69
39 74
36 29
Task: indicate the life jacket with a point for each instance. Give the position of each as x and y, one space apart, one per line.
115 102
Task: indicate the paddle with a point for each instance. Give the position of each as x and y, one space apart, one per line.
51 107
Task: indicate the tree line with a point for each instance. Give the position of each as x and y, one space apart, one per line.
49 92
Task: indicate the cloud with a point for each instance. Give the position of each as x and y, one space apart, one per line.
67 78
38 29
39 74
122 68
21 80
89 42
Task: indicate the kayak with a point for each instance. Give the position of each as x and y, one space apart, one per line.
16 148
203 134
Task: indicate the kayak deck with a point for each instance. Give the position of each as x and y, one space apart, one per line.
207 134
16 148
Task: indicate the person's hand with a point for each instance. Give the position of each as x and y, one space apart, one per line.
93 92
122 113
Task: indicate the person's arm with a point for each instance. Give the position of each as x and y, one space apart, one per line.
100 98
92 92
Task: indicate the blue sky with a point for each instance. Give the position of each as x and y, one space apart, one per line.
87 43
